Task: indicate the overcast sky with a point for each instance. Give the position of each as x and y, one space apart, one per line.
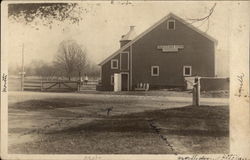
102 27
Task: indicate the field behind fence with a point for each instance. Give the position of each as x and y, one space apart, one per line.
39 84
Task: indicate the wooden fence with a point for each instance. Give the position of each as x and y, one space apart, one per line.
62 86
32 85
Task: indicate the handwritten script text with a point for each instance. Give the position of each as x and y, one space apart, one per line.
4 79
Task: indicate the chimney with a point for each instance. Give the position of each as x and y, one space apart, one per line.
128 37
131 28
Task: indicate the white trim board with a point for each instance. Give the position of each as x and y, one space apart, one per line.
130 68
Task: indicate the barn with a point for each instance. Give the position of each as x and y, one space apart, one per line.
163 56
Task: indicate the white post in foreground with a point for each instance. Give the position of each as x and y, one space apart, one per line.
117 82
196 92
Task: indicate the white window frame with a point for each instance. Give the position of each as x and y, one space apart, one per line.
171 20
184 67
112 82
152 71
114 60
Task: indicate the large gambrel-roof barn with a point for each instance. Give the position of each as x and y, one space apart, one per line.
162 56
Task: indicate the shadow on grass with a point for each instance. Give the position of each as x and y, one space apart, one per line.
46 104
53 103
186 121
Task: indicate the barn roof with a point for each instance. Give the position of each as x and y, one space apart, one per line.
170 15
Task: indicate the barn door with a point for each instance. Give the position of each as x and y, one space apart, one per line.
125 81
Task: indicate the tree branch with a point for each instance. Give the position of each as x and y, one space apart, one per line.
206 17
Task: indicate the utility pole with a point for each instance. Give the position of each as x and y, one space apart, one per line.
22 72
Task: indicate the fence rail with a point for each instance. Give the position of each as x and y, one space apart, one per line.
40 85
32 85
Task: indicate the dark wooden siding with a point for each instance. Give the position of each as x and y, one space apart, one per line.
107 72
198 52
124 61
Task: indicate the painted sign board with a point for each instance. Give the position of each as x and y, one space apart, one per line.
170 48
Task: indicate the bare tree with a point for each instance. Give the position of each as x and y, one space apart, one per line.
205 18
93 70
45 71
81 60
71 58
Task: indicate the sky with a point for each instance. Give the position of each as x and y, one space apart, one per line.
101 29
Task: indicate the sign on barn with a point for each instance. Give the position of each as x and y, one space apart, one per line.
170 48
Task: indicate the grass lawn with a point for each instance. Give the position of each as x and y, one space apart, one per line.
78 124
166 92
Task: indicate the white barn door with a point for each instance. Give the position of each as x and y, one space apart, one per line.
117 82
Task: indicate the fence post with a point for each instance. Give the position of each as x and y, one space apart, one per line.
78 86
22 80
41 85
196 91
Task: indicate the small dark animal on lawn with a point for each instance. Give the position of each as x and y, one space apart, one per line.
108 110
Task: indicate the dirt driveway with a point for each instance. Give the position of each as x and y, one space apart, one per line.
79 123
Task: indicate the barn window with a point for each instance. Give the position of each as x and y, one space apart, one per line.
114 64
171 24
112 80
155 71
187 71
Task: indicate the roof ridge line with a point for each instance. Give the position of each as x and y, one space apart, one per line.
155 25
137 37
